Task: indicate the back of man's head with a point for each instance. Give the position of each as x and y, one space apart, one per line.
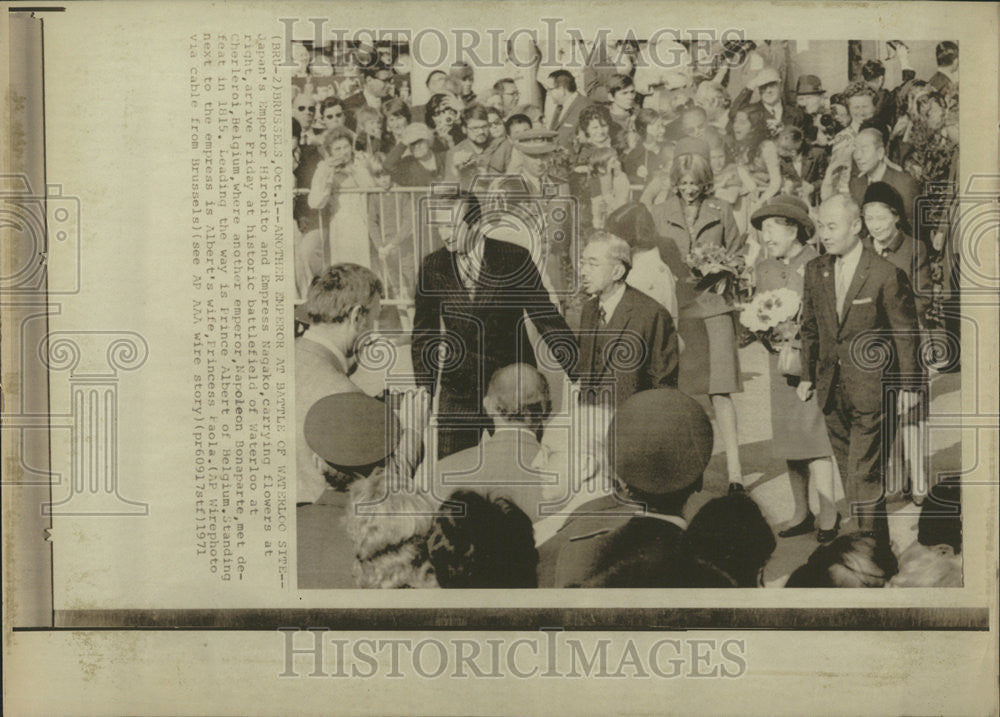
339 289
519 394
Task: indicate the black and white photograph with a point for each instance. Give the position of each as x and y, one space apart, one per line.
482 358
682 323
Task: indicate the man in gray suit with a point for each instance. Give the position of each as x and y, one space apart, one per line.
518 402
342 304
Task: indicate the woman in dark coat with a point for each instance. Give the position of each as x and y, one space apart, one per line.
706 325
888 236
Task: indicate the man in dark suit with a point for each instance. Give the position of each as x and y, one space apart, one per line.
567 105
377 79
627 339
472 301
854 305
776 112
631 537
871 165
945 80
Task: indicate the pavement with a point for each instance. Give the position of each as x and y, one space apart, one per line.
766 477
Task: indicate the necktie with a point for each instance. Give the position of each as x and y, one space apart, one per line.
555 117
841 286
467 272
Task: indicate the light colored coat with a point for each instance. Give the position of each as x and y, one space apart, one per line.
318 373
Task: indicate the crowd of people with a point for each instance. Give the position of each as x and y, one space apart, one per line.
692 197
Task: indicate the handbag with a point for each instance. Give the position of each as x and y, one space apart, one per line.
789 360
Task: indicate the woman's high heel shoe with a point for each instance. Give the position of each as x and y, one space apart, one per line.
807 525
825 536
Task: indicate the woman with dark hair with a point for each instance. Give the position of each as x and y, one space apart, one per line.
731 535
851 561
755 154
798 427
596 133
481 542
442 114
397 117
888 235
689 218
839 111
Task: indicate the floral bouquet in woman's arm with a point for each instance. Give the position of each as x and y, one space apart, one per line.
772 317
715 269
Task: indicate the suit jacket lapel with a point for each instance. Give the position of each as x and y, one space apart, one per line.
490 273
858 281
588 324
617 324
828 289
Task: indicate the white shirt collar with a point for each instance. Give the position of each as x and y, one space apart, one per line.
849 261
675 519
879 172
505 431
609 302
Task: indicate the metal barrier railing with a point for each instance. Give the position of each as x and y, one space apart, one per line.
391 222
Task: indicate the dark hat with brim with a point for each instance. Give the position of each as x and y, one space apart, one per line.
660 441
809 85
351 429
787 206
885 193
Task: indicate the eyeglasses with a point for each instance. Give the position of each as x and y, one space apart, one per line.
303 108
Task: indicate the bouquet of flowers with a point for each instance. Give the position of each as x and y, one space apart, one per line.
716 270
772 317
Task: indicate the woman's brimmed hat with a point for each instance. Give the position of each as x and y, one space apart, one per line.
789 207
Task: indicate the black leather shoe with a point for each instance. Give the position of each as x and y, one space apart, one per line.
825 536
807 525
736 488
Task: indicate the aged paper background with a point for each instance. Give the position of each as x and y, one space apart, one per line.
118 138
